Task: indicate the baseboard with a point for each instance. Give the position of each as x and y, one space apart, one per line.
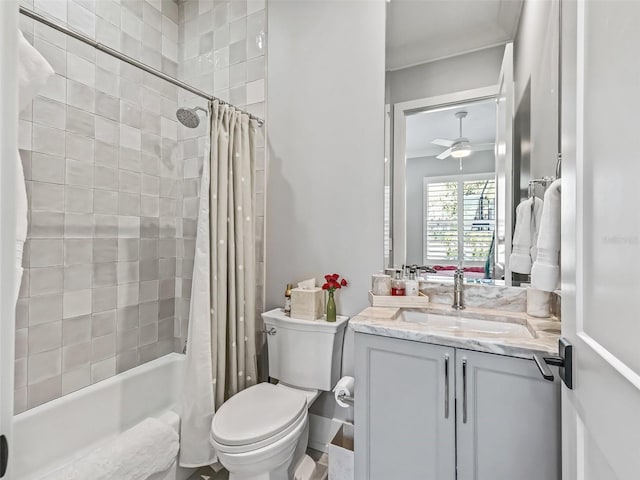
321 431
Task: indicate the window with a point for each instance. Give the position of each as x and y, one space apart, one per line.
459 216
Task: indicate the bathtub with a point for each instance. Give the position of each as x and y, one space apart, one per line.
50 435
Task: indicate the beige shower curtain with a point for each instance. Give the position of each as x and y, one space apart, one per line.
221 349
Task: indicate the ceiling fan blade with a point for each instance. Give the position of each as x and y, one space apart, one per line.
445 154
482 146
442 142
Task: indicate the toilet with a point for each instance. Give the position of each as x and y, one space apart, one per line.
262 432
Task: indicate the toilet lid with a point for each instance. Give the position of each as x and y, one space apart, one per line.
257 413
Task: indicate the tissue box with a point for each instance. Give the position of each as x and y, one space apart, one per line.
307 304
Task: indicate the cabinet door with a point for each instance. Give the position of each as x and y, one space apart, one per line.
404 410
510 428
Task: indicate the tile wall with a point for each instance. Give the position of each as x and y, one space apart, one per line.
102 164
222 47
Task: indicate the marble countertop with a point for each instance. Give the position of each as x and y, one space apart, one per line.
538 335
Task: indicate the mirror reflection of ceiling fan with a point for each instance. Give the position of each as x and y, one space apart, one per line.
460 147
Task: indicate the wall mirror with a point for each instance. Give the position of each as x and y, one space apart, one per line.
472 120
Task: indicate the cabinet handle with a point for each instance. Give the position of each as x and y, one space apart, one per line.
464 391
446 386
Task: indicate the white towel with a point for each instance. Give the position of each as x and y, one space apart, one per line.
525 236
33 72
545 274
149 447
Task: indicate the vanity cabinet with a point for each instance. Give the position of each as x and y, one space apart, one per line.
502 423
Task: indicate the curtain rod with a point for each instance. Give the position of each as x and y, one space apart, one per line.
131 61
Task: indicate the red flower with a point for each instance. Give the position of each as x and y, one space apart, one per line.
327 277
333 282
325 286
343 282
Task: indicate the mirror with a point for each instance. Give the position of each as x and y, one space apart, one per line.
472 122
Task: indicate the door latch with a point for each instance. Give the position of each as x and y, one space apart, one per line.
564 362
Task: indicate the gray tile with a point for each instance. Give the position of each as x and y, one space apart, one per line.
78 225
130 114
103 347
55 55
81 122
149 227
165 329
81 70
149 291
166 289
107 82
128 204
128 272
78 251
150 123
45 337
148 334
129 182
149 249
126 360
46 225
46 252
76 303
149 270
45 281
77 277
107 106
80 148
105 178
78 199
43 392
76 330
21 343
166 309
76 379
76 356
149 312
79 173
167 268
105 250
48 140
104 275
128 295
103 370
128 249
149 206
47 168
150 185
44 309
43 366
106 226
128 227
105 202
106 154
127 340
103 323
107 131
47 197
81 96
49 112
130 159
104 299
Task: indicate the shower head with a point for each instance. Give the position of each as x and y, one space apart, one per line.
189 116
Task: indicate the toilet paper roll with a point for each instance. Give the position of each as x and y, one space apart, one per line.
344 387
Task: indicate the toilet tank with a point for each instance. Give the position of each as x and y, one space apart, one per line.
304 353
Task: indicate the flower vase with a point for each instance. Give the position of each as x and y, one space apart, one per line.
331 308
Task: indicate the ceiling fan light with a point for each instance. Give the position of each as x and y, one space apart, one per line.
461 150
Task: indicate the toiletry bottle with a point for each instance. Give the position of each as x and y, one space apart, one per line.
397 285
287 299
411 285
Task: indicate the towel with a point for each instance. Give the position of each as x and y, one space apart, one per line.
149 447
525 236
33 72
545 274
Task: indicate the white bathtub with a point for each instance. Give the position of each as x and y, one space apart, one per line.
50 435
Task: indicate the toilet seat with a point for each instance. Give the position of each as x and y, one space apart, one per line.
256 417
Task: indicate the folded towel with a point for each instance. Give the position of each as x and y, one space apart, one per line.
525 236
545 273
149 447
33 72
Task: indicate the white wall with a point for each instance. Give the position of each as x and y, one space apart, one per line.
536 49
325 142
462 72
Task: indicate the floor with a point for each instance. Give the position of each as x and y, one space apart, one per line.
207 473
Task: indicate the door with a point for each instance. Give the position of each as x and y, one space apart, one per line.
8 152
405 410
508 419
601 238
504 166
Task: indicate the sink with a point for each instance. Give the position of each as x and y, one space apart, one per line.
459 325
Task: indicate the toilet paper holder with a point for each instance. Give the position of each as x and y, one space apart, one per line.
342 396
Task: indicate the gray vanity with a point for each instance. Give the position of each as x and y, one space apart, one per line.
442 395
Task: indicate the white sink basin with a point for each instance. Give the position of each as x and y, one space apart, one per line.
464 326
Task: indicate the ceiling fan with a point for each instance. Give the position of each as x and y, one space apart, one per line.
460 147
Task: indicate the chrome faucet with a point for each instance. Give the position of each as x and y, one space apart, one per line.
458 289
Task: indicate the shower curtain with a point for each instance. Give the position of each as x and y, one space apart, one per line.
221 351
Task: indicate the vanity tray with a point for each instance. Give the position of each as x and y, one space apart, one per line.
420 301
